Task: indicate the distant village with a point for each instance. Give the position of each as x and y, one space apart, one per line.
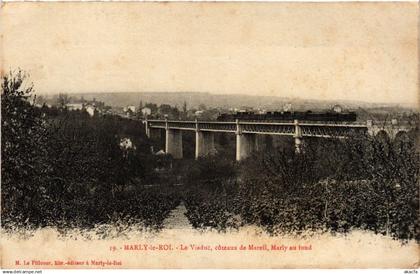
184 111
145 109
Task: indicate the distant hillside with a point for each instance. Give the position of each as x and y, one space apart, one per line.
194 99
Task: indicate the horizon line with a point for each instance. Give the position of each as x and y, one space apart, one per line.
406 104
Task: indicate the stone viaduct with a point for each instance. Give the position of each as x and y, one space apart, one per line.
247 133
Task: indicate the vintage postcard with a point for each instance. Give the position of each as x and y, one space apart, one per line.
209 135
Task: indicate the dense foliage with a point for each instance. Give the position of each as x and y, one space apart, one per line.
336 185
66 168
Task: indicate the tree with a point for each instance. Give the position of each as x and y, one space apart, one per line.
62 100
40 100
153 107
184 107
23 139
202 107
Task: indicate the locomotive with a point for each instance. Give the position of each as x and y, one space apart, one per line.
326 116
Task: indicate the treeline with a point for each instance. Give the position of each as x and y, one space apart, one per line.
65 168
334 185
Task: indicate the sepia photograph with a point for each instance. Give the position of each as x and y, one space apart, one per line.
192 135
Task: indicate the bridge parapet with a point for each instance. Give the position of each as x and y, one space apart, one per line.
155 123
268 128
217 126
182 125
332 130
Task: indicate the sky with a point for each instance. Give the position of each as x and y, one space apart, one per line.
352 51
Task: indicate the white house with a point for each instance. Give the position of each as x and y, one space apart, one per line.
130 108
74 106
287 107
199 113
337 108
91 110
146 111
